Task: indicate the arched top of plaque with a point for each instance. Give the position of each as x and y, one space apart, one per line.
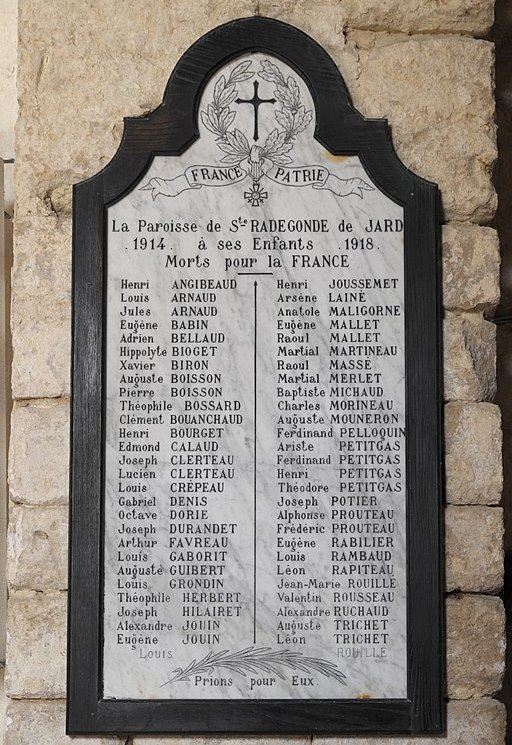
174 126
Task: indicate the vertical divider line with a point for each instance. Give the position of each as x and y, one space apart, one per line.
255 452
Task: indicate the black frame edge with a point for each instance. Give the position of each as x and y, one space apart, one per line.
170 129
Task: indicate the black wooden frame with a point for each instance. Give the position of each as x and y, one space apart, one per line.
170 130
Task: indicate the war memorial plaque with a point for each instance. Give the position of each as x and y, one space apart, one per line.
255 541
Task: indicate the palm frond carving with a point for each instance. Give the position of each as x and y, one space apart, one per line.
254 660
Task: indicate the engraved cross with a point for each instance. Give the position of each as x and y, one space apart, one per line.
255 102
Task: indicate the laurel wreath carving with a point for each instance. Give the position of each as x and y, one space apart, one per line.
291 116
218 116
254 660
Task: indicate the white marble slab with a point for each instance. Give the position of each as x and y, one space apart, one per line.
255 540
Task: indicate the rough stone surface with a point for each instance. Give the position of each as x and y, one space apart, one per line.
463 16
478 722
8 109
475 642
474 549
39 453
39 533
471 267
7 77
469 357
65 56
438 97
44 723
436 92
3 706
473 460
36 645
41 308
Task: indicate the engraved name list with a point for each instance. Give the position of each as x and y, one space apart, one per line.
254 455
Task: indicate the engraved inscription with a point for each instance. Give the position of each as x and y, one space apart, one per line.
255 524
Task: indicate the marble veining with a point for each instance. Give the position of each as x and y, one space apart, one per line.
255 539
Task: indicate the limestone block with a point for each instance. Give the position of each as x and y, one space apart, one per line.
44 723
325 21
36 645
41 308
477 722
37 548
437 94
463 16
474 549
39 453
473 459
7 78
475 642
471 267
73 90
469 357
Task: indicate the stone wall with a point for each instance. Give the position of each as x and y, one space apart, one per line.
82 67
8 23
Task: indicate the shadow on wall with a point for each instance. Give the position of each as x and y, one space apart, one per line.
502 36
